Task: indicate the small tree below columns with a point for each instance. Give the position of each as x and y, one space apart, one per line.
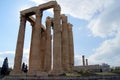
5 68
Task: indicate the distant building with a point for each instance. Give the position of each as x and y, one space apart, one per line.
92 68
105 67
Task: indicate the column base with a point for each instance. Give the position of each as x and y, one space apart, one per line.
16 73
56 72
42 74
37 73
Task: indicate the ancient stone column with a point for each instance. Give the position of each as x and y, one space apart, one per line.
35 63
83 60
65 44
86 62
71 46
43 48
56 42
19 47
48 54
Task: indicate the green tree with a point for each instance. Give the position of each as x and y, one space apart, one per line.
5 68
24 67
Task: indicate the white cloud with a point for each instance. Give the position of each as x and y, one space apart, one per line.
24 7
83 9
1 59
38 1
108 52
7 52
78 60
107 26
11 54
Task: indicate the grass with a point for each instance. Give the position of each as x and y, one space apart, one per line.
80 73
86 73
72 74
105 73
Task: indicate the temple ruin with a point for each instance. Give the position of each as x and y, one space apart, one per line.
40 55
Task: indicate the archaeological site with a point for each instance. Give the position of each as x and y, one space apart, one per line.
51 53
45 57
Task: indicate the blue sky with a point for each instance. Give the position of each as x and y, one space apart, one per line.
96 29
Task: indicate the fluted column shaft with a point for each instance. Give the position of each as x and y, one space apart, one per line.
71 46
83 59
35 63
86 62
48 45
19 47
56 42
43 49
65 45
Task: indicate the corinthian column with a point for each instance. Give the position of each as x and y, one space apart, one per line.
71 46
56 42
65 46
48 45
86 62
19 47
83 60
35 63
43 48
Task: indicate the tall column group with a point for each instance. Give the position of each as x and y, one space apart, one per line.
53 58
